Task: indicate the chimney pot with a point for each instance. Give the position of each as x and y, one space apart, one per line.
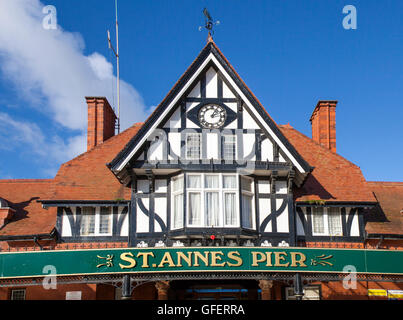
323 121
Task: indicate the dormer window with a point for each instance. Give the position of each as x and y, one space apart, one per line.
326 221
96 221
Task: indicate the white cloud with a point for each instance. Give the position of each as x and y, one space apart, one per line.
51 72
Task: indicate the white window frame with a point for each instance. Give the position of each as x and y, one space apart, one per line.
223 146
173 194
249 193
326 229
97 222
200 145
202 190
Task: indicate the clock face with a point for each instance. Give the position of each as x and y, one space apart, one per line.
212 116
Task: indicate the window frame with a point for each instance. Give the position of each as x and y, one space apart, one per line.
248 193
177 193
97 222
235 145
326 224
19 289
202 190
187 145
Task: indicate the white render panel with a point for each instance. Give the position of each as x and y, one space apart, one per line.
195 93
174 139
280 158
226 92
281 187
264 186
142 219
264 211
160 185
248 122
267 150
249 145
211 83
212 145
160 207
142 186
189 123
175 120
355 230
282 219
156 150
66 227
125 225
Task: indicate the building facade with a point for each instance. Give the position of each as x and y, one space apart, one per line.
208 169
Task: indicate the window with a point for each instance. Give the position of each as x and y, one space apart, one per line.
310 293
326 221
87 227
105 220
247 202
177 203
193 146
17 294
211 200
229 147
96 221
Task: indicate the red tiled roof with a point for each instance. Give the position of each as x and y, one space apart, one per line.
29 218
87 177
333 179
386 218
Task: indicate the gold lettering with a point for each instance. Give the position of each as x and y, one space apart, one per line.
255 260
300 261
145 258
126 257
198 255
268 255
234 255
214 259
166 259
187 259
278 257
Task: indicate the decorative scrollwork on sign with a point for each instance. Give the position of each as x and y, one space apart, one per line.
109 261
322 261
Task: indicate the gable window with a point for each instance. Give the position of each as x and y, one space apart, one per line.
193 146
229 147
326 221
96 221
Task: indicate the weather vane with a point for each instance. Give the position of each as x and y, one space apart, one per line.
209 22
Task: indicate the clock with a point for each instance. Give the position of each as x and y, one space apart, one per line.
212 116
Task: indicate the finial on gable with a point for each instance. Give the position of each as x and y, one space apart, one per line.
209 24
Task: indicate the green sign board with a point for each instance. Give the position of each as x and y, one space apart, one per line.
199 259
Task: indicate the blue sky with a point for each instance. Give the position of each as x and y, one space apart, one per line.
290 53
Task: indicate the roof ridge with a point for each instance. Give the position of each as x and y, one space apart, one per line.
318 144
25 180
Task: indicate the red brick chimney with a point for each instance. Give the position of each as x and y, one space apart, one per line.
101 121
323 121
